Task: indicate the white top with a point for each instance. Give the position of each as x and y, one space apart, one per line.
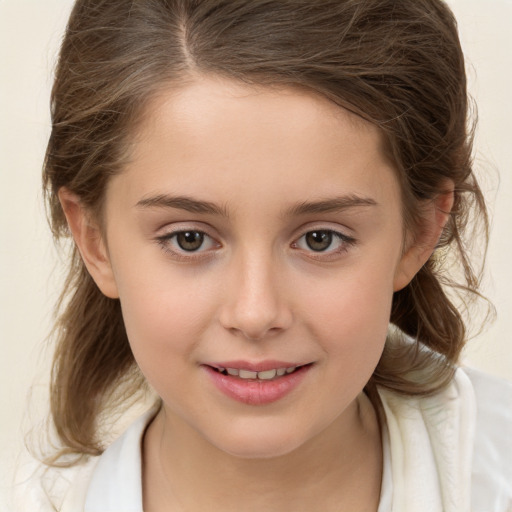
451 452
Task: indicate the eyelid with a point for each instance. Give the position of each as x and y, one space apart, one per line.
166 228
334 227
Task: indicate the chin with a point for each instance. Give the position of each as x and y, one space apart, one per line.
259 443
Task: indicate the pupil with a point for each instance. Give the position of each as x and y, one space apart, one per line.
190 240
319 240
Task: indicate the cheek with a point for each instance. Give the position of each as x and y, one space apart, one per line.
350 314
163 318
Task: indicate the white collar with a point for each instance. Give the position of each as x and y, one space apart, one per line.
116 484
432 442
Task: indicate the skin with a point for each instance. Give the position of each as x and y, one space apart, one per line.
255 290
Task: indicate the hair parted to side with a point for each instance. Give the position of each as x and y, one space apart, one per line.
396 63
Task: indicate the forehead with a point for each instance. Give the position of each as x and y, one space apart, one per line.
220 137
214 102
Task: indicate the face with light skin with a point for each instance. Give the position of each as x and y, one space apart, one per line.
253 224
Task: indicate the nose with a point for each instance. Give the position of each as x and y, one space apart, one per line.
256 304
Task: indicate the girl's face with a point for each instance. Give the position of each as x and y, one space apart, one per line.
255 230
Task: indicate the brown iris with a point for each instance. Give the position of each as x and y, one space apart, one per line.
319 240
190 240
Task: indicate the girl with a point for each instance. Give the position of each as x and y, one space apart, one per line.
265 199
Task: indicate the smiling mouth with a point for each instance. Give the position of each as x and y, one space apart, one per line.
266 375
257 383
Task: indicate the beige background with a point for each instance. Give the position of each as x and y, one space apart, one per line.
30 31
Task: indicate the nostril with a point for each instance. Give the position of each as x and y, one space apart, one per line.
258 336
255 313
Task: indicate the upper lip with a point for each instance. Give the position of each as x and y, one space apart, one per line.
260 366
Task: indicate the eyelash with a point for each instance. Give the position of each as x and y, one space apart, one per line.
344 243
169 240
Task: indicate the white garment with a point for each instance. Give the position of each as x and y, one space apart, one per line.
451 452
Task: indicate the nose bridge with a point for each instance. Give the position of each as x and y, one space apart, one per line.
256 304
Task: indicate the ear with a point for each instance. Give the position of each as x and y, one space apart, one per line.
90 243
435 216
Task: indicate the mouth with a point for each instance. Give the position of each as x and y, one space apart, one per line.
257 383
265 375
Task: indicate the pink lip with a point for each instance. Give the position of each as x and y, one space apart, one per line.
252 391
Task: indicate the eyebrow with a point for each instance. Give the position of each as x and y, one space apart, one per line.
191 205
331 205
182 203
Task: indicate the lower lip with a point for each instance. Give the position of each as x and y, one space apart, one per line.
257 392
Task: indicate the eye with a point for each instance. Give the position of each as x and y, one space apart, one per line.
324 241
186 241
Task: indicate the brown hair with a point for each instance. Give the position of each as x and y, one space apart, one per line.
396 63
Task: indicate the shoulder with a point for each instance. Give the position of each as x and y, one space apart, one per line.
492 453
44 488
462 438
110 482
430 445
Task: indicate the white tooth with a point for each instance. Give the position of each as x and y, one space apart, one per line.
267 375
290 370
246 374
281 372
232 371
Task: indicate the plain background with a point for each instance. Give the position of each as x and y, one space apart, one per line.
30 33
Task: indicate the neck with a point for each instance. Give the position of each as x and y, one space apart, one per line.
339 469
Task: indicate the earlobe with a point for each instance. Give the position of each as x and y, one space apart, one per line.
435 217
90 243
